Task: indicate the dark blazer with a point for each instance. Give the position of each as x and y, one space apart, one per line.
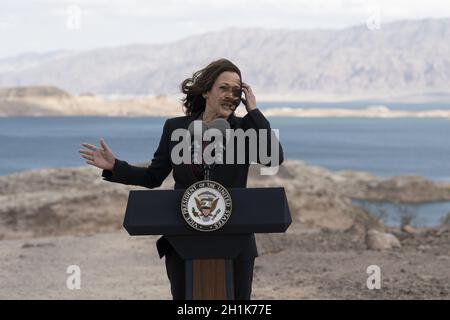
229 175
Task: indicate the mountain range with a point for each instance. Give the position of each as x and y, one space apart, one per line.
402 59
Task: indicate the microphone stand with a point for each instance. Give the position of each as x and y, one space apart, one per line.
221 125
206 171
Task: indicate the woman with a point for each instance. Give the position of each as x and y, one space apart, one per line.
213 92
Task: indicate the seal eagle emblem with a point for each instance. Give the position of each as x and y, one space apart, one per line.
206 205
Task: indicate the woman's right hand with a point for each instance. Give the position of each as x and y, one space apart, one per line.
102 158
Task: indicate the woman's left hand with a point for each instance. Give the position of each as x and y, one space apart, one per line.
250 100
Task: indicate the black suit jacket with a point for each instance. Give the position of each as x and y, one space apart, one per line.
229 175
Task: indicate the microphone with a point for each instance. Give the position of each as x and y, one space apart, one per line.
197 124
196 130
222 125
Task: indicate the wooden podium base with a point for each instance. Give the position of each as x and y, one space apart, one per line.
209 279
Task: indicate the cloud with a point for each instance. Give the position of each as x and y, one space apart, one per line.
323 10
119 22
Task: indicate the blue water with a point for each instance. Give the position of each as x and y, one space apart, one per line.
424 214
384 147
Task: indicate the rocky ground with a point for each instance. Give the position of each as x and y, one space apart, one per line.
53 218
303 264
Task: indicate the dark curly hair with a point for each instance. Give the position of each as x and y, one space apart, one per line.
202 81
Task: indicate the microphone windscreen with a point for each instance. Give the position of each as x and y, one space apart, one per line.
221 124
197 123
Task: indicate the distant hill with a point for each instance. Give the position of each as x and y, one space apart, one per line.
403 58
52 101
34 91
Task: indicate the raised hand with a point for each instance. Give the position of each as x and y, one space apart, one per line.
102 157
249 100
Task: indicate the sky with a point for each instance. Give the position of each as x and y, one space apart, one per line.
49 25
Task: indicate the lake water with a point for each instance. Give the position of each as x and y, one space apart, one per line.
384 147
424 214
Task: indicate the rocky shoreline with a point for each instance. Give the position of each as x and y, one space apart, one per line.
76 200
59 213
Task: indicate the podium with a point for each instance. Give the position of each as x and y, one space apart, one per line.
208 255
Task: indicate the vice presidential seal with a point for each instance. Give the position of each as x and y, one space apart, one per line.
206 205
